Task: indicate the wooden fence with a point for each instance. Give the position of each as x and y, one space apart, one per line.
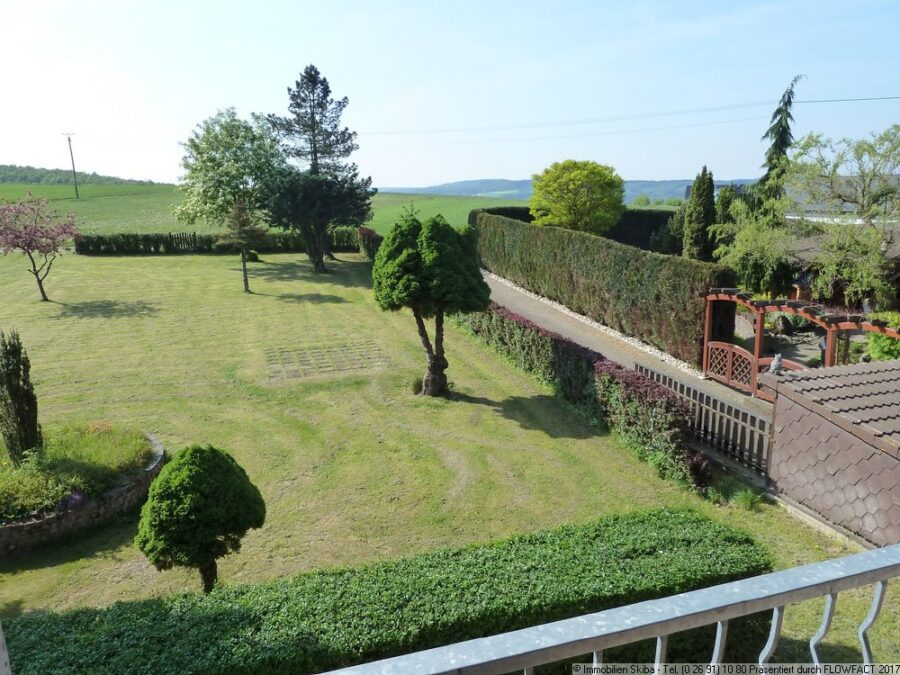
739 433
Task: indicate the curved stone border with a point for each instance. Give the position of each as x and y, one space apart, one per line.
20 537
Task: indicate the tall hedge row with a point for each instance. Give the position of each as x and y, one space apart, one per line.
343 239
323 620
651 419
635 227
655 298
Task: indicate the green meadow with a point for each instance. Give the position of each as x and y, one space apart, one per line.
107 209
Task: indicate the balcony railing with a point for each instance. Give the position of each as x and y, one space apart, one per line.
593 633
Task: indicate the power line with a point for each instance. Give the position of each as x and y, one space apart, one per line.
615 118
588 135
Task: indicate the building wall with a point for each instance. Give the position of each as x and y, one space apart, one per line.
834 473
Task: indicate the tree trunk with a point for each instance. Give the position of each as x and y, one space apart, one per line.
244 269
327 247
209 573
40 283
435 381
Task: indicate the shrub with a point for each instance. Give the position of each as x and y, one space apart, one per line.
884 347
747 499
369 242
252 256
18 403
199 507
322 620
655 298
651 420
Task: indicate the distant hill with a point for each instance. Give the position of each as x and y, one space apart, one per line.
521 189
10 173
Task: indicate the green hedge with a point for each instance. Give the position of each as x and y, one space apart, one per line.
343 239
635 227
651 419
323 620
655 298
369 242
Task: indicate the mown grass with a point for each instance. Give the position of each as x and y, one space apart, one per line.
353 467
106 209
88 458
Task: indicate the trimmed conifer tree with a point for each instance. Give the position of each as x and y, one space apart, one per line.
433 270
18 403
699 215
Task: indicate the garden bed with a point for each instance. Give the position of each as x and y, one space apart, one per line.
86 476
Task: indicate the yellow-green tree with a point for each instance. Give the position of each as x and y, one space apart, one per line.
584 196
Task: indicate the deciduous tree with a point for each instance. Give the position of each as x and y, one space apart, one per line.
198 510
433 270
227 160
584 196
29 227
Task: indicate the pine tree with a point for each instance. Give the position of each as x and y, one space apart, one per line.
244 233
699 215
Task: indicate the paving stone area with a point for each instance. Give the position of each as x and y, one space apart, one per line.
290 364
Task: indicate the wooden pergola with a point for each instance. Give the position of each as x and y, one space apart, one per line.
735 366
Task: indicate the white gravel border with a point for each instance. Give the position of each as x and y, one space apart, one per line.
634 342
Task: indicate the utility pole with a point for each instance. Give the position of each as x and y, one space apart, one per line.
72 157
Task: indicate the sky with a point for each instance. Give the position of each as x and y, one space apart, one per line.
444 91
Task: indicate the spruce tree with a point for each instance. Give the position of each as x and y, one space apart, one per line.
781 138
244 233
699 215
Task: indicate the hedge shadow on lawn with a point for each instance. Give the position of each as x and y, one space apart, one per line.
542 412
80 545
106 309
312 298
791 650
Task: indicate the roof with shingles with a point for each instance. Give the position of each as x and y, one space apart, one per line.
864 396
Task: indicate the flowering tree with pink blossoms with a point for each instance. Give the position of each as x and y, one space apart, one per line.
29 227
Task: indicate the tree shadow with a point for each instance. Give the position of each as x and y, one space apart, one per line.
10 609
791 650
77 546
543 412
107 309
303 298
348 273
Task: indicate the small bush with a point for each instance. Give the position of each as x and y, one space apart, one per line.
883 347
318 621
415 385
369 242
252 256
715 496
747 499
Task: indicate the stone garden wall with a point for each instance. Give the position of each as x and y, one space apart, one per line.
20 537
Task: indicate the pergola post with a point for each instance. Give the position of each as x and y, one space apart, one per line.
830 347
707 334
759 329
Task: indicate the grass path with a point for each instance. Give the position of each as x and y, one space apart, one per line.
307 384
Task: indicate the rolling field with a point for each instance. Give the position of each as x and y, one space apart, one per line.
106 209
307 383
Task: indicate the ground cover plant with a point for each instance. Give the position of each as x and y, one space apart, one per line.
352 615
77 461
306 383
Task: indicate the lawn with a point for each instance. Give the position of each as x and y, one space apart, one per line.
106 209
308 385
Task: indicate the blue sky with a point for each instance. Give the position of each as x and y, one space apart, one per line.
131 79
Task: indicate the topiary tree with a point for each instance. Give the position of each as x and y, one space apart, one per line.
576 195
199 507
18 403
433 270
